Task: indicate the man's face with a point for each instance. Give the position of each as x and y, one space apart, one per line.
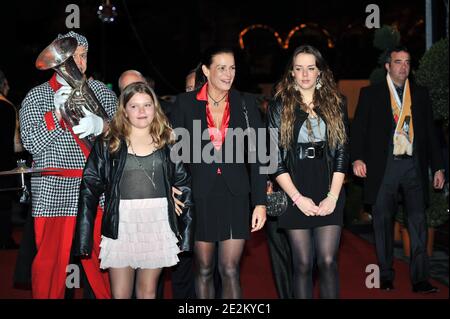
190 82
80 57
399 67
128 79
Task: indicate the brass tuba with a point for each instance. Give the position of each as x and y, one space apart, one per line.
58 55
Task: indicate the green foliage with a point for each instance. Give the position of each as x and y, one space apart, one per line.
353 202
433 74
377 75
437 213
386 37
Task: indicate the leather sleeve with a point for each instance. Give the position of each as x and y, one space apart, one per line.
342 155
182 181
91 187
274 126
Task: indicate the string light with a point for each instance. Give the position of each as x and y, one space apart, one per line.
258 26
107 12
285 44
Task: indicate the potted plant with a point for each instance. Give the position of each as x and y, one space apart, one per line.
437 215
385 38
433 74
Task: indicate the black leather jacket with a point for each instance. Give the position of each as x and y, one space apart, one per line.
337 158
102 174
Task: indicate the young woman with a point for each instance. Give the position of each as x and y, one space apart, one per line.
141 232
311 119
221 188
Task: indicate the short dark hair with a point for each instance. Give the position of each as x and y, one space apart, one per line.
206 60
211 52
199 78
399 48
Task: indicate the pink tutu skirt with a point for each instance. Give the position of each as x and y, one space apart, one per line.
145 238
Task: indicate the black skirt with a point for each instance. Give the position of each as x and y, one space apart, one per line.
312 180
221 215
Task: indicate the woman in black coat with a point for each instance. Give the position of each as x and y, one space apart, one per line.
219 161
311 119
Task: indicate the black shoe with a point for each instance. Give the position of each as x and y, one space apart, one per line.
9 244
386 285
424 287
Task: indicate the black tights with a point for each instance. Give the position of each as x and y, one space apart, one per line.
123 280
322 243
230 252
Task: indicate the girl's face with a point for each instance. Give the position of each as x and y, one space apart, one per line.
305 71
140 110
221 72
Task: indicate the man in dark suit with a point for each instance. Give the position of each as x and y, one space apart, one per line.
393 142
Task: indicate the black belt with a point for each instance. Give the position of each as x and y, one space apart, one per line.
402 157
310 150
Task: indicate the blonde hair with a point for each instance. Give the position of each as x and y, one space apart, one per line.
120 126
327 100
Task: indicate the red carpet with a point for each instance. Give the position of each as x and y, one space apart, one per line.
256 278
355 255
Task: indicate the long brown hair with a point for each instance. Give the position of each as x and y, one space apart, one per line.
120 126
327 100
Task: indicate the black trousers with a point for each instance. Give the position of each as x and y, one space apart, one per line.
27 252
182 275
280 258
401 175
183 284
6 199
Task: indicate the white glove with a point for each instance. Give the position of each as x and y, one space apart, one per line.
89 124
61 96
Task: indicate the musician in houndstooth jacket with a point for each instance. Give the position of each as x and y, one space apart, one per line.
54 144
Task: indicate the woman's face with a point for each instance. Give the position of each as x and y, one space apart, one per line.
140 110
221 72
305 71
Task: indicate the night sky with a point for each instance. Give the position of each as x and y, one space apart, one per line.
164 39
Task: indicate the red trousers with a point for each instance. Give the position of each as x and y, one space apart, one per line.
53 242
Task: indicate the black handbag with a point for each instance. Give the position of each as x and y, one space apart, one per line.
277 203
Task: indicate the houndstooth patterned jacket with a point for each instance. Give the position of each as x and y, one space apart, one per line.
55 147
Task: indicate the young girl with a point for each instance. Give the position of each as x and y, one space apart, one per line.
131 164
311 119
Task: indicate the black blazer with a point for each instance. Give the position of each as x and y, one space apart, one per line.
188 109
372 132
